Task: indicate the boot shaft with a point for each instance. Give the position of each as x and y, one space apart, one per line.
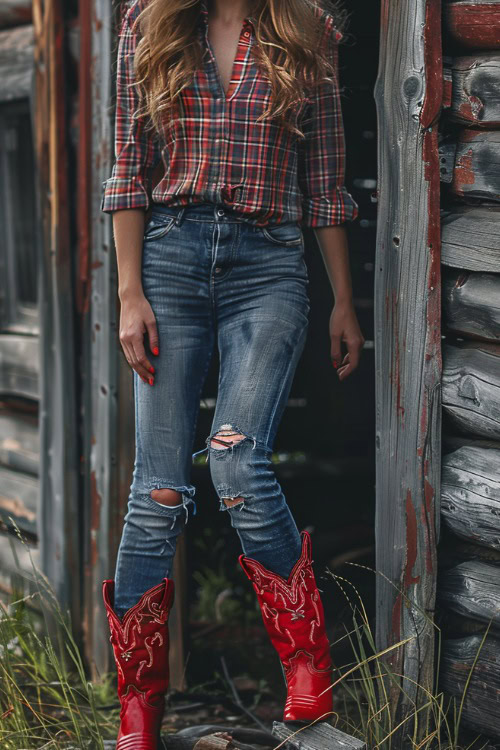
292 610
140 641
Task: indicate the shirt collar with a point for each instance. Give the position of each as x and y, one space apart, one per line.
204 15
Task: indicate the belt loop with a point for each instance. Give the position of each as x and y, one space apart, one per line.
179 217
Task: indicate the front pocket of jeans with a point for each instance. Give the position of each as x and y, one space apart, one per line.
283 234
156 229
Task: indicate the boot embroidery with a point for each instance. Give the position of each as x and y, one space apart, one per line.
126 655
148 642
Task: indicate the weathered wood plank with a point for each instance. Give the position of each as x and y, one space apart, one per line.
470 238
19 500
471 387
481 709
473 23
59 417
15 12
470 494
472 589
408 346
471 304
19 442
320 736
16 560
476 90
19 365
476 173
245 738
16 63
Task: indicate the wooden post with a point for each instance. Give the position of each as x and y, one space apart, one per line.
408 96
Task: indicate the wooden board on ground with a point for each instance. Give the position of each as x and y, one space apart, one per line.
320 736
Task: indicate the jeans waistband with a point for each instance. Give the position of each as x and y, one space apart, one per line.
199 212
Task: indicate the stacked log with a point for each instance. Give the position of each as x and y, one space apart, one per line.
468 591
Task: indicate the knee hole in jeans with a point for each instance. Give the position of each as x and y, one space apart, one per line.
223 440
167 496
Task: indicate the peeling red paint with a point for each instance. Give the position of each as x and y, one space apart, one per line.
427 511
475 26
411 541
433 65
463 173
471 109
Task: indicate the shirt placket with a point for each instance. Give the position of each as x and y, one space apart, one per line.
225 192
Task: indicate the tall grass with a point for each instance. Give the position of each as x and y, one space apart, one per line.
46 700
363 684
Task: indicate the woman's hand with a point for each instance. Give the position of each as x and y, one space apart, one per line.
137 318
344 326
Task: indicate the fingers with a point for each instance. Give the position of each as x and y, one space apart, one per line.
351 359
335 350
152 335
133 349
141 363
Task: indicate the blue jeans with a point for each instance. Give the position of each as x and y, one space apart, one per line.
211 278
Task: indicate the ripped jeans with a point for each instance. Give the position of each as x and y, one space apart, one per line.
214 279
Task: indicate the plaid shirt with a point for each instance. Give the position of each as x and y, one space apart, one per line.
214 151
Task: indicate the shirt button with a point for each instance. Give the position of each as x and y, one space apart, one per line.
246 33
218 269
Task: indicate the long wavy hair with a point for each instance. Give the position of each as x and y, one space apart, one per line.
287 51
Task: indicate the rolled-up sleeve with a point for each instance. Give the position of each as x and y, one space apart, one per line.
136 150
321 155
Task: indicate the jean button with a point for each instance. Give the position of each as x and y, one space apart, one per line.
218 269
220 212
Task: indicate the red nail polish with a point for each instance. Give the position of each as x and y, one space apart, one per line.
335 363
156 350
151 381
151 369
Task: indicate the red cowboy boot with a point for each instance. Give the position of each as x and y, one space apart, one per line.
140 645
293 616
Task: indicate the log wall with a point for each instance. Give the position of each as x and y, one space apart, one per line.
468 591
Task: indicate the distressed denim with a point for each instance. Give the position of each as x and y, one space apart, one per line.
214 279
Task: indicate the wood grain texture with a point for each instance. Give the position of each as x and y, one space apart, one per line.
469 238
15 12
476 172
16 63
321 736
470 494
476 90
481 710
472 589
471 304
408 96
473 23
471 387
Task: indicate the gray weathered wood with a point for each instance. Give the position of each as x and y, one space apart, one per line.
408 94
16 63
19 500
471 304
19 441
320 736
58 527
471 387
470 238
19 365
470 494
472 589
14 12
476 172
476 90
473 23
481 710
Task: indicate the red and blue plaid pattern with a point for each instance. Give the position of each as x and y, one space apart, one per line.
215 151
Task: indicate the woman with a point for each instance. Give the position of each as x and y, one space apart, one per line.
241 111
